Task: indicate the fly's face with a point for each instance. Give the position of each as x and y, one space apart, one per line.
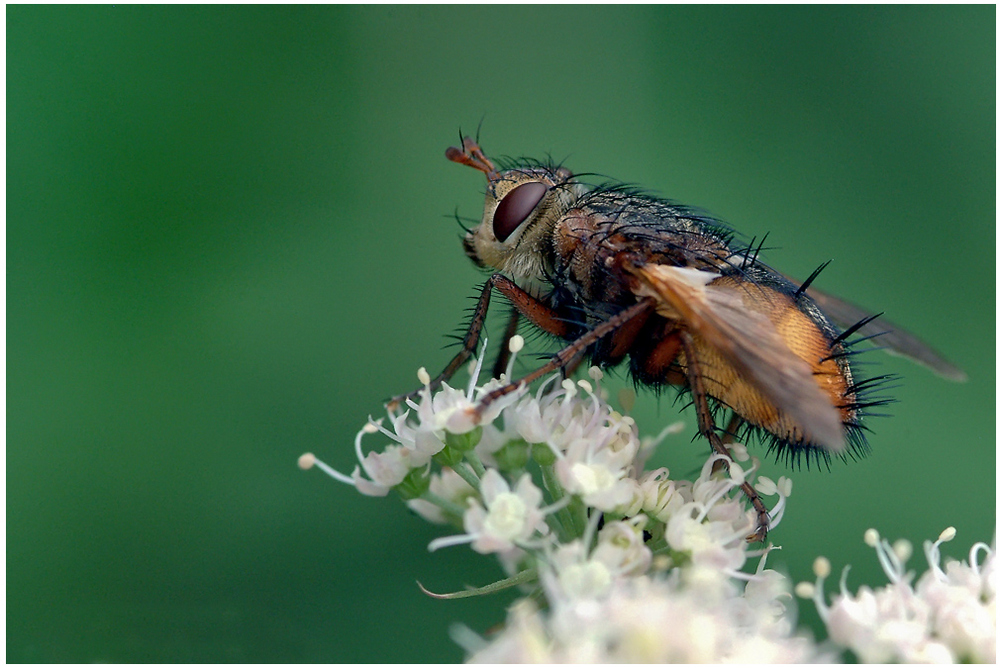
522 207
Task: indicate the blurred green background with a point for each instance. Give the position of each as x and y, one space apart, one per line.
228 242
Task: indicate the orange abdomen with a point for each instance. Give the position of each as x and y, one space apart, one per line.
802 336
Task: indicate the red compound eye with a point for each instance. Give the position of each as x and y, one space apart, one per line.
515 207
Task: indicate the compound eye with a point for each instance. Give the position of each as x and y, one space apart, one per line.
515 207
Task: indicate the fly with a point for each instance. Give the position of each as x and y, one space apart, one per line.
625 275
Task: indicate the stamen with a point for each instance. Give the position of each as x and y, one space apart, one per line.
736 473
669 430
376 425
933 553
448 541
843 581
763 558
821 567
543 387
783 488
515 345
369 428
784 485
739 452
557 506
890 563
766 486
726 484
475 373
974 556
570 388
903 549
308 460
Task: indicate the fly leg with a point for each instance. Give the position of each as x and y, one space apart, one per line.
571 352
707 428
503 355
574 364
728 437
525 304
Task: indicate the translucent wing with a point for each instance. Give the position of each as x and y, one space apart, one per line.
729 317
895 339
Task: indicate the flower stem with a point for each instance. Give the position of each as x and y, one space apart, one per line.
462 469
566 520
444 504
475 463
557 526
577 512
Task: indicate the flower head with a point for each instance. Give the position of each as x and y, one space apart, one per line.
648 619
633 564
949 616
506 517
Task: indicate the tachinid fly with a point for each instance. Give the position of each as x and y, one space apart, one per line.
620 274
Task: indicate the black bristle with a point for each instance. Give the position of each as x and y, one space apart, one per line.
854 342
812 277
853 328
760 247
851 354
868 384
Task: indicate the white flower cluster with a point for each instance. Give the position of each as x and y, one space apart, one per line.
950 615
669 618
625 564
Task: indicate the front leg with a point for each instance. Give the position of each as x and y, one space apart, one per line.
573 352
535 310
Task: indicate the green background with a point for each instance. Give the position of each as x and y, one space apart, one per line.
228 241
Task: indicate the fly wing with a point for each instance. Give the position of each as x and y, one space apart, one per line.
749 341
895 339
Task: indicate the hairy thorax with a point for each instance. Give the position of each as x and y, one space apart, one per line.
594 244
